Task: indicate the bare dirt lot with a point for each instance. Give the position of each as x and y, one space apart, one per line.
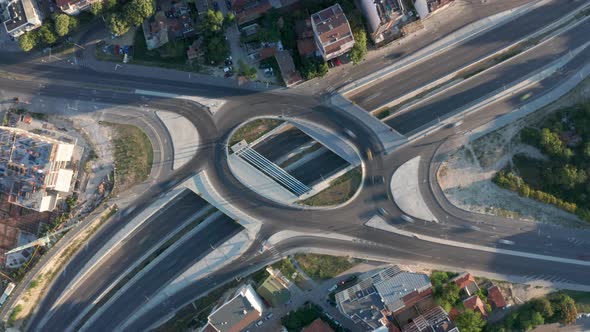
465 176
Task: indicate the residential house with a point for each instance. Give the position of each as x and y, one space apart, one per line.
476 304
433 320
332 32
74 7
495 298
426 7
318 325
173 21
274 292
376 298
290 75
34 169
19 16
238 313
306 45
195 49
466 283
249 10
383 18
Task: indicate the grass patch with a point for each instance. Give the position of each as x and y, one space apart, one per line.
133 155
287 269
253 130
14 314
296 320
323 266
172 55
340 190
195 314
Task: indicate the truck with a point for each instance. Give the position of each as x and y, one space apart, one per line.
7 291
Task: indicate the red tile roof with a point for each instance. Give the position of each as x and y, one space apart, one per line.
476 304
318 325
464 280
496 298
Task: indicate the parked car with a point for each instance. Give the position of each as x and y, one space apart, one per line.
269 316
259 323
333 288
215 6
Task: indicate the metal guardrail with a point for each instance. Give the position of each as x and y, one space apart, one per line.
273 170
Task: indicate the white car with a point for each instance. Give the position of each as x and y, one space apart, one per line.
259 323
333 288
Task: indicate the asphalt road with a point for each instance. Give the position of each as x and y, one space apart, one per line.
348 220
188 253
445 104
317 169
276 146
457 57
165 221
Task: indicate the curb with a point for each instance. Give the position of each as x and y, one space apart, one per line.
460 36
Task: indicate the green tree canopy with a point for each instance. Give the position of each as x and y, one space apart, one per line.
28 41
216 50
470 321
97 7
359 50
542 306
229 19
62 24
564 308
46 34
137 11
213 21
117 24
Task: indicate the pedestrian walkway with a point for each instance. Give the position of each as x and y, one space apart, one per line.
405 190
184 135
272 170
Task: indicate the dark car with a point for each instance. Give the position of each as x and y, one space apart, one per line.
216 6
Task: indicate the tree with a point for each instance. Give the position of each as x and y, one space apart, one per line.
110 4
245 70
229 19
542 306
28 41
46 34
213 21
137 11
62 24
564 309
74 23
551 142
216 50
359 50
470 321
117 24
568 176
438 279
97 7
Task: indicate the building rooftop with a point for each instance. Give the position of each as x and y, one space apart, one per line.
30 164
476 304
496 298
386 291
433 320
318 325
332 29
238 313
17 16
273 292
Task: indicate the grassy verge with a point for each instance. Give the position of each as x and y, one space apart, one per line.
133 155
296 320
172 55
253 130
340 190
36 288
323 266
288 270
195 314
